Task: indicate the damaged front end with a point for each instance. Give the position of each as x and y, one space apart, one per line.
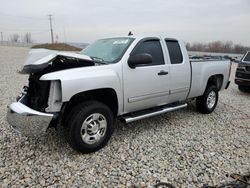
43 61
39 104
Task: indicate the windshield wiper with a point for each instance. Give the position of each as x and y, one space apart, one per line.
98 60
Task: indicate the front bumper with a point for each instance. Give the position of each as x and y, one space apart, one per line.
27 121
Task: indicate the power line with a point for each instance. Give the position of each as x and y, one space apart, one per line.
64 33
23 17
51 30
23 30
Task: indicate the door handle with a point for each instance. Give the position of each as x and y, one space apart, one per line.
162 72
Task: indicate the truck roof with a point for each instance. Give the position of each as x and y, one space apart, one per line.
145 36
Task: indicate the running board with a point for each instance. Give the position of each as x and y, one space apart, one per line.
134 117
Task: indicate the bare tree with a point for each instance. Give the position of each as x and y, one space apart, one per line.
218 46
240 49
27 38
188 46
228 46
14 38
197 46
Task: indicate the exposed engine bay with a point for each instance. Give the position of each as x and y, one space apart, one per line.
40 94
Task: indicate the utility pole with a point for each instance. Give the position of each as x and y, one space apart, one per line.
65 40
51 30
1 36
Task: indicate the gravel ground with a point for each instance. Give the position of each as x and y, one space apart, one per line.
184 148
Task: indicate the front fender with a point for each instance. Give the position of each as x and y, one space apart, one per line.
78 80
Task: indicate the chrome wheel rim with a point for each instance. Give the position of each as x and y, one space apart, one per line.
93 128
211 99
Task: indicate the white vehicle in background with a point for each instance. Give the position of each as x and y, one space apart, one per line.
129 78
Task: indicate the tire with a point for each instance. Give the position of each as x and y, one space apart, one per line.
89 126
208 101
243 88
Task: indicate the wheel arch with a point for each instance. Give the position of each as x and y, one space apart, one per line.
108 96
216 80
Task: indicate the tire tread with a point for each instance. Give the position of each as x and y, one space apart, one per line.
74 117
201 102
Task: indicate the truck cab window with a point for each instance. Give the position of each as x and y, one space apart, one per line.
152 47
174 52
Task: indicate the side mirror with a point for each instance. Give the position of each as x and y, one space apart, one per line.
139 59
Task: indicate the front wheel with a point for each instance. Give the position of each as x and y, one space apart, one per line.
89 126
208 101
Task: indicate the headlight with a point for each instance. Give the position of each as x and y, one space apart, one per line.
55 97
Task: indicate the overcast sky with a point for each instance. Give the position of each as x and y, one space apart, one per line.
85 21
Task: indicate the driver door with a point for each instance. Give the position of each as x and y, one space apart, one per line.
146 86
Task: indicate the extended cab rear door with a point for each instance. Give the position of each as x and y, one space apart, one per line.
146 85
180 70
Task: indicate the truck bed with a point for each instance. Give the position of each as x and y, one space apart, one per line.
201 71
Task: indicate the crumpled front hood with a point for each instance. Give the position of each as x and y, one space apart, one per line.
41 59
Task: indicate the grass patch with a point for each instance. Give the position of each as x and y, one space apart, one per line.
57 46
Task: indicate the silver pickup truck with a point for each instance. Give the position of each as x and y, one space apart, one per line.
128 78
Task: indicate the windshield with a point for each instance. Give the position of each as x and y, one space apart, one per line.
108 50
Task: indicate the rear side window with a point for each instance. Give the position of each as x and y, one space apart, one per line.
174 51
152 47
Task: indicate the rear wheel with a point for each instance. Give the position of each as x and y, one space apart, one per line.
89 126
208 101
